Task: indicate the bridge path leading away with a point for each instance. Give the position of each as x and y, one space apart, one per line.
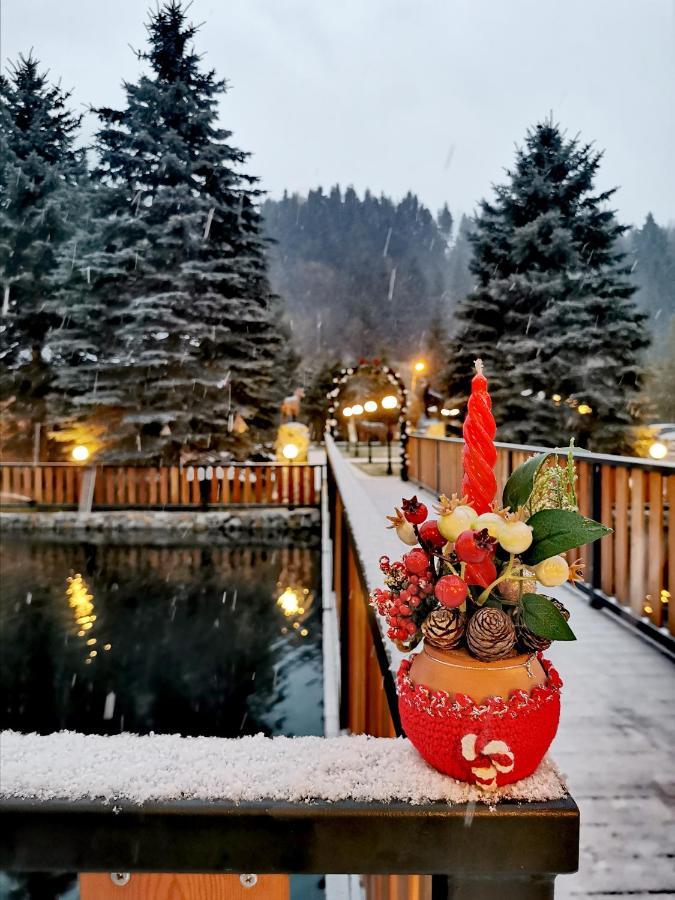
616 742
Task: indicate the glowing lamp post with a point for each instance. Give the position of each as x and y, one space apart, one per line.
80 453
658 450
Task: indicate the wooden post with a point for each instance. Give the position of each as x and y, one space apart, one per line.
87 491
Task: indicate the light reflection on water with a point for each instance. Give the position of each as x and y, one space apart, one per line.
188 639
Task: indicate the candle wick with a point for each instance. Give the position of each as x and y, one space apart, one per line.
478 363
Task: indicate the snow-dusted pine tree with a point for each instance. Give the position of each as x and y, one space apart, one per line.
552 315
174 338
39 172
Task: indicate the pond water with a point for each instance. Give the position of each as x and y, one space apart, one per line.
194 638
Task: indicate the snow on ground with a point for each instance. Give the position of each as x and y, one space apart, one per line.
72 766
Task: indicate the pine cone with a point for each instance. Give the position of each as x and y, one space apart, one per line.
490 634
528 640
444 628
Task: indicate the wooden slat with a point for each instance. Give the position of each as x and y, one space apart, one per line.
7 479
141 485
27 482
259 479
621 590
638 542
184 488
59 485
174 485
48 484
164 485
166 886
71 495
195 496
109 479
607 516
151 475
236 486
656 544
671 553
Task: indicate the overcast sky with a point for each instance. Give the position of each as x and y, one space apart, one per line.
399 95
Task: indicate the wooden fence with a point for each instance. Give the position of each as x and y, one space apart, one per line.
164 487
636 565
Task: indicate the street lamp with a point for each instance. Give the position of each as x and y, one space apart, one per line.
290 451
419 368
584 409
658 450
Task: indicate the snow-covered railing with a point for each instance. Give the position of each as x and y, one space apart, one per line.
160 487
632 571
123 803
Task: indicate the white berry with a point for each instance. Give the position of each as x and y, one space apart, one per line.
454 523
552 572
406 533
515 537
491 521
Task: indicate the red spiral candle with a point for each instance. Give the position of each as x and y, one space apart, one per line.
480 454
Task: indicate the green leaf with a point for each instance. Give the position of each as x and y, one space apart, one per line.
545 619
518 488
556 530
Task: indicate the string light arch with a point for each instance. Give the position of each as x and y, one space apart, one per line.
375 368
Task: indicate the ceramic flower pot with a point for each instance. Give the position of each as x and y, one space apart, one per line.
485 723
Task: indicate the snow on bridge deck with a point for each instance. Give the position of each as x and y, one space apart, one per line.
616 742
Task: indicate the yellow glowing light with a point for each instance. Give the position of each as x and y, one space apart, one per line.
93 653
347 411
658 450
556 398
290 451
304 632
296 624
420 366
389 402
289 602
648 610
91 642
370 406
357 409
80 453
584 409
107 646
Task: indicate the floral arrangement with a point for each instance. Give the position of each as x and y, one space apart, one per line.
473 576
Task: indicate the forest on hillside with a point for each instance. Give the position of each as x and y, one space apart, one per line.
368 275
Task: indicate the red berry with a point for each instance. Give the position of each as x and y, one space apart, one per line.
414 511
405 609
401 634
430 534
415 602
482 574
413 579
414 590
468 550
404 595
411 627
451 591
416 561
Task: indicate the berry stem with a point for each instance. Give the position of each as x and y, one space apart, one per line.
505 574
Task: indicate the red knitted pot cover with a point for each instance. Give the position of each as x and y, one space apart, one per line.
490 745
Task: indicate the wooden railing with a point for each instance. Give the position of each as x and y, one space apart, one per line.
633 570
165 487
368 699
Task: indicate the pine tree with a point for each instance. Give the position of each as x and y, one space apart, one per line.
552 315
39 173
174 335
